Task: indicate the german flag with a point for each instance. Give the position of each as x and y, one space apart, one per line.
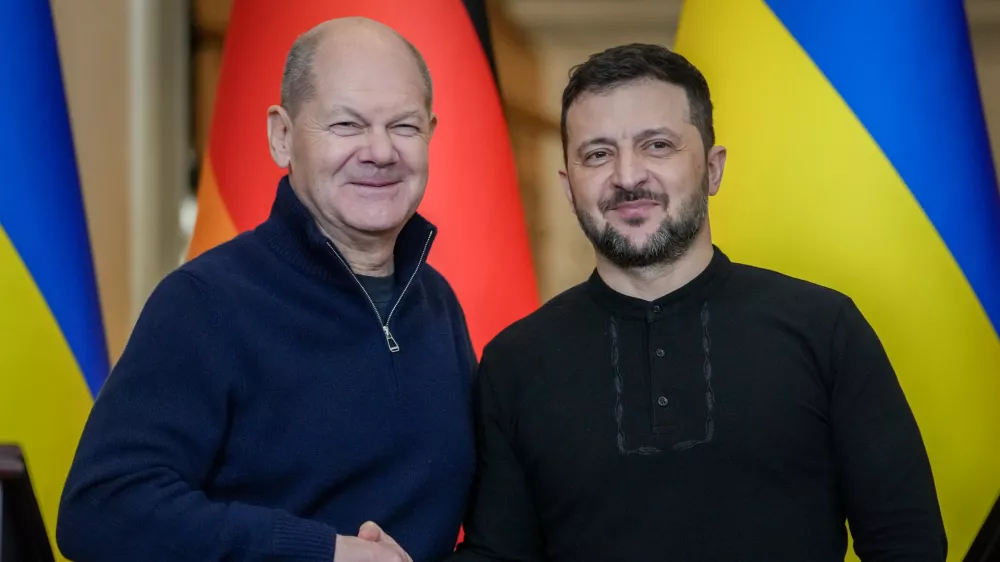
472 196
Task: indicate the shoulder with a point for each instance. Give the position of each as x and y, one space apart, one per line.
782 291
821 316
220 264
441 296
435 283
552 317
182 299
439 292
201 286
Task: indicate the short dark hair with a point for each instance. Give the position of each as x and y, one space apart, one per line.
620 65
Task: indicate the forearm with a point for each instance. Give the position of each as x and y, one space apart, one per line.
133 493
166 521
891 500
135 490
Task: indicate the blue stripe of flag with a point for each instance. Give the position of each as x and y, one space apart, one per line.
41 207
905 68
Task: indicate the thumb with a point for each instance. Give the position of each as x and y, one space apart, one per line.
384 538
370 532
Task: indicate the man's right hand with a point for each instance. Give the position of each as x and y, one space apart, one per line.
353 549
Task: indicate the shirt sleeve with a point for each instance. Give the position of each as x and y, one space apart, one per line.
134 490
886 483
501 523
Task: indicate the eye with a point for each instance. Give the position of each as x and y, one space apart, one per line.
597 155
660 145
407 129
346 128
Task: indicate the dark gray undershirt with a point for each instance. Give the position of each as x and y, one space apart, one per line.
381 291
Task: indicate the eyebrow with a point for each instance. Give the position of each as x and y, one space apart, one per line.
350 112
344 110
641 136
595 141
659 131
416 113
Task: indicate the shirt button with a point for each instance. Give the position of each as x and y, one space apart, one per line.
662 401
660 352
656 308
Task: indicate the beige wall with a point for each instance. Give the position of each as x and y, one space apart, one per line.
986 47
92 42
124 65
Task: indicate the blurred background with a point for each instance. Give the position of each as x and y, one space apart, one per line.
141 75
900 209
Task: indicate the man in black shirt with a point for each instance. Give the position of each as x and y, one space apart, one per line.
677 405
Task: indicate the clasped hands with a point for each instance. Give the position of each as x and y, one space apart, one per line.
371 545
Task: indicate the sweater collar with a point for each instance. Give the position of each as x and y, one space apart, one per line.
694 293
291 231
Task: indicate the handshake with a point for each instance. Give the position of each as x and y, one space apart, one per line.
371 545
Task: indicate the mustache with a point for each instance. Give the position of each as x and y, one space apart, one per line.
621 196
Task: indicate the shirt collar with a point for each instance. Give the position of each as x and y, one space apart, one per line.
291 231
694 293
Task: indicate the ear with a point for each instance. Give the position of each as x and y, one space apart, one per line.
716 164
279 135
432 126
567 189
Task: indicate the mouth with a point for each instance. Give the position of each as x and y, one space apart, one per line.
375 183
631 210
637 204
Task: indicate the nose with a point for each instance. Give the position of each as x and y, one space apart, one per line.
379 150
629 171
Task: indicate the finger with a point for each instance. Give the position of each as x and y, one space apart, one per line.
386 539
370 532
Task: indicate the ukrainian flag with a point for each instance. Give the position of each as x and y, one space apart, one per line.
859 159
53 356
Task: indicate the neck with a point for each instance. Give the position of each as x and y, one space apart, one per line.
655 281
365 254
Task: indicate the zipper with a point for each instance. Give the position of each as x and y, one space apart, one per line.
389 340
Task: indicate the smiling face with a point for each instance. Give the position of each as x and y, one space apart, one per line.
637 173
357 149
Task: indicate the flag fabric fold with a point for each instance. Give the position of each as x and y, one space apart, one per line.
859 159
53 354
472 195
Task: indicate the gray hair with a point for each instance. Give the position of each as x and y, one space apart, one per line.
298 86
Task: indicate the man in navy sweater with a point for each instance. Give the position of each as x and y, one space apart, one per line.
308 376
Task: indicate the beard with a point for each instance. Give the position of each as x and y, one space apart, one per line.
665 246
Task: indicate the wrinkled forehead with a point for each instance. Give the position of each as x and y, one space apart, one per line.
376 73
628 110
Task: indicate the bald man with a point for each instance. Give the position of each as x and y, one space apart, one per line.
308 376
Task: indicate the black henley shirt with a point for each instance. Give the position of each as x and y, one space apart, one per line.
743 417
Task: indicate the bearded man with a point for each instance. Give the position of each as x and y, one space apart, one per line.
677 405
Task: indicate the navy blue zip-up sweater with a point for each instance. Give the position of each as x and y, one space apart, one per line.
258 411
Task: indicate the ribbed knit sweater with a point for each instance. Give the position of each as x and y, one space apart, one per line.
258 409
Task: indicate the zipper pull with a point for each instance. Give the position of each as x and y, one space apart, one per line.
393 346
